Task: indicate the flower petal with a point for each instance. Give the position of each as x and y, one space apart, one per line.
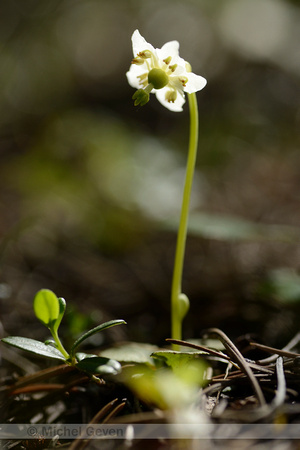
195 83
176 106
169 49
139 43
180 69
181 62
133 73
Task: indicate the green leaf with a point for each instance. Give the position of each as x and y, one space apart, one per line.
131 352
176 359
47 307
164 387
62 308
33 346
95 330
99 365
80 356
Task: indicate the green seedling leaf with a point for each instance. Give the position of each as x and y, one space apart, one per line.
47 307
131 352
98 365
33 346
62 308
95 330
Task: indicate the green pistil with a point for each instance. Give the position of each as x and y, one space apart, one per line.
158 78
141 96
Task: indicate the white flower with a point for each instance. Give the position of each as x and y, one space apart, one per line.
162 72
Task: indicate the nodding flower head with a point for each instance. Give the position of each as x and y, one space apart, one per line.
162 72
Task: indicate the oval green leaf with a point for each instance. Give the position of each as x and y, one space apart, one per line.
99 365
33 346
46 307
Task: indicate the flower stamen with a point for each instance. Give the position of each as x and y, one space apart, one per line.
137 61
143 79
167 60
183 81
171 96
141 56
188 66
145 54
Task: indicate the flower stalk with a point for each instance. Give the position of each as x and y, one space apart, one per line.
179 301
164 73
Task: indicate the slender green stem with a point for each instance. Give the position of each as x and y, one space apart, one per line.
59 345
176 295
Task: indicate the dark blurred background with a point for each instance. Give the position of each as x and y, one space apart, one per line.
91 186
